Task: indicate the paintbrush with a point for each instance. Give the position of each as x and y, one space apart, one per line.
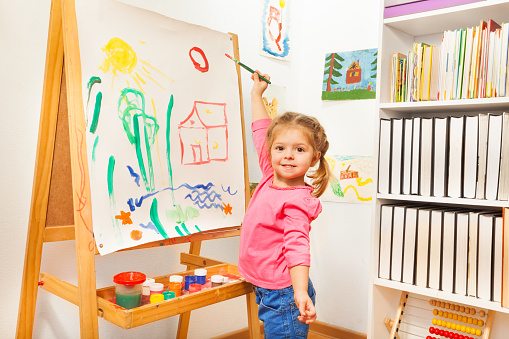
247 68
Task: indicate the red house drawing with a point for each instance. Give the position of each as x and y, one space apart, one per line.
353 74
204 134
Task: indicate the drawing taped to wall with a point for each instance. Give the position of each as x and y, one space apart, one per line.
274 99
350 75
164 132
275 29
353 179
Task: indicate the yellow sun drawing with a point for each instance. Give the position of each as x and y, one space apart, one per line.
120 57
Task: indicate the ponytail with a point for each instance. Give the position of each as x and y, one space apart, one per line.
321 176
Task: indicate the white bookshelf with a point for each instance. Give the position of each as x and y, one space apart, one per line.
398 34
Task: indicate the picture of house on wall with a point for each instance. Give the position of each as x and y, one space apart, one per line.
353 179
204 134
350 75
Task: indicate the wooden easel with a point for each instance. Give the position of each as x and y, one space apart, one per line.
61 206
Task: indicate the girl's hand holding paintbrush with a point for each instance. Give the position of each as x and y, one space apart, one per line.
257 106
259 86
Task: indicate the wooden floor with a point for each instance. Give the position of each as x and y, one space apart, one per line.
318 330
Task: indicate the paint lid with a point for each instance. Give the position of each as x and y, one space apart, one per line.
156 287
217 279
155 298
168 295
200 271
148 282
129 278
176 278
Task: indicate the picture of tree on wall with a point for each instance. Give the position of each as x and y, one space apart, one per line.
350 75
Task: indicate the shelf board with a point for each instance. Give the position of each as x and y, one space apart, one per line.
451 297
450 18
464 105
444 200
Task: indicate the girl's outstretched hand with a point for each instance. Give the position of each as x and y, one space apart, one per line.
259 86
306 308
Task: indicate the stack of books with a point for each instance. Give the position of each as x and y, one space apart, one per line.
453 156
469 63
456 251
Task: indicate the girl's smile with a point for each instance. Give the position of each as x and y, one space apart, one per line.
291 157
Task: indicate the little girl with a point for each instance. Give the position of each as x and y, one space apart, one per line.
274 242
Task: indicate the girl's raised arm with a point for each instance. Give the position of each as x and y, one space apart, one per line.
257 107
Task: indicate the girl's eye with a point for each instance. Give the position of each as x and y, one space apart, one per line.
278 148
300 149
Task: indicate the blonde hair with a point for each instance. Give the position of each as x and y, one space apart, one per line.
316 137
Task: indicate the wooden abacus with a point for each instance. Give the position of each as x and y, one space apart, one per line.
419 317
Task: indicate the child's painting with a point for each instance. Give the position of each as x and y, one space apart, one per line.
353 179
275 29
274 99
350 75
164 133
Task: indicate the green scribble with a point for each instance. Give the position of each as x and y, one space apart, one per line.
196 226
192 212
179 231
97 111
179 216
154 217
168 119
336 188
185 228
113 204
96 141
91 82
131 110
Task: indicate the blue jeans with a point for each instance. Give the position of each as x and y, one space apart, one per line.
278 311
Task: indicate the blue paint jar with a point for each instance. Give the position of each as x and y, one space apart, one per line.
189 279
201 275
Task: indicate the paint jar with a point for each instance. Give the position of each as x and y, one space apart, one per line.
176 285
145 296
156 288
128 289
201 275
189 279
155 298
216 280
168 295
194 288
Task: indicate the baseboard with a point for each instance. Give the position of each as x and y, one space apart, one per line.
320 329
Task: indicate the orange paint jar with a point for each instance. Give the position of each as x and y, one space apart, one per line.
176 285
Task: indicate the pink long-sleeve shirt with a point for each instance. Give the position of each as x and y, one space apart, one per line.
275 231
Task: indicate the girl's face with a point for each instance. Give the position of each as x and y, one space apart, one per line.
291 156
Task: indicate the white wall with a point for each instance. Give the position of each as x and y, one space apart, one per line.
340 237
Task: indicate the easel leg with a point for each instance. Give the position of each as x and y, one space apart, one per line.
29 286
42 173
185 317
252 317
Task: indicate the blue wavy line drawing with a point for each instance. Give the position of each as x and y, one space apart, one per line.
135 175
150 226
137 202
228 190
210 196
202 205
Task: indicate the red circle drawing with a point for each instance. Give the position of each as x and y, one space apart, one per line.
197 64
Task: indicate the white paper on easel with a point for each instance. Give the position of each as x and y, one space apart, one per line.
164 135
